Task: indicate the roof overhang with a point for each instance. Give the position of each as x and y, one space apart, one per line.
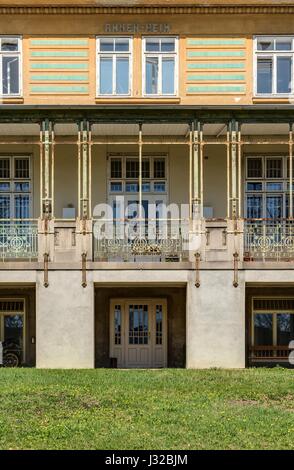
147 113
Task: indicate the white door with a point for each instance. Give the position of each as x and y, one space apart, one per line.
138 333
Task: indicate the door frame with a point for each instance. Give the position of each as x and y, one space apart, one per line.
7 313
152 327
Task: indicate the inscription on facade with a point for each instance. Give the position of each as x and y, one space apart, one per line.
137 28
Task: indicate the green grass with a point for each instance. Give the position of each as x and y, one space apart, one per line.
155 409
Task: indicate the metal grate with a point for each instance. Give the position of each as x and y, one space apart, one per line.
11 305
273 304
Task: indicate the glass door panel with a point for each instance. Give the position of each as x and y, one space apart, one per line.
13 331
138 324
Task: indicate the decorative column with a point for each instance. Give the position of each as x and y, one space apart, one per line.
46 222
46 169
84 153
84 222
291 170
197 170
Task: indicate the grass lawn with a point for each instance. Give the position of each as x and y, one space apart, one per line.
155 409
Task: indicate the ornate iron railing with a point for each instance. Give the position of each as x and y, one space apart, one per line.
18 239
269 239
160 240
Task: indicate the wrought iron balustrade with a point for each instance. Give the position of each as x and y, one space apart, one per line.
147 240
18 239
269 239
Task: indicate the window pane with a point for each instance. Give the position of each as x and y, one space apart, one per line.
152 75
159 324
274 168
254 168
117 324
122 45
283 45
145 168
252 186
159 187
10 77
159 168
152 45
167 45
264 45
21 168
254 207
22 207
274 186
132 187
106 45
168 76
264 76
263 329
13 328
4 168
285 329
106 71
9 44
116 168
284 74
132 168
4 207
274 207
122 75
4 186
116 187
22 187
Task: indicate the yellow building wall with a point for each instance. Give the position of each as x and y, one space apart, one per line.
215 55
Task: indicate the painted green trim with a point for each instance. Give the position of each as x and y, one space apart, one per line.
216 53
59 42
216 89
217 65
59 53
42 66
59 89
216 77
60 77
216 42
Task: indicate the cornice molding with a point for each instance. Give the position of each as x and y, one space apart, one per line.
146 10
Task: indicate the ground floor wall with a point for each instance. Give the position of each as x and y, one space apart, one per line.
207 326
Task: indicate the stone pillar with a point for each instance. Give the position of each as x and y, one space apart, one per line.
65 321
215 321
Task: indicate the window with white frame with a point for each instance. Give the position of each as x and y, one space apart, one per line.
160 69
10 56
15 187
274 58
267 187
124 175
114 66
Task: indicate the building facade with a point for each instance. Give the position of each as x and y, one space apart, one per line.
146 183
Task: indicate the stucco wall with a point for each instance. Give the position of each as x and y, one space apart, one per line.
65 321
216 321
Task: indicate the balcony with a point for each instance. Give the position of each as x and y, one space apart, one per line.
152 240
269 240
18 240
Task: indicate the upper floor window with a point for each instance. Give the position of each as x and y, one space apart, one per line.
15 187
160 74
274 65
114 65
10 67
